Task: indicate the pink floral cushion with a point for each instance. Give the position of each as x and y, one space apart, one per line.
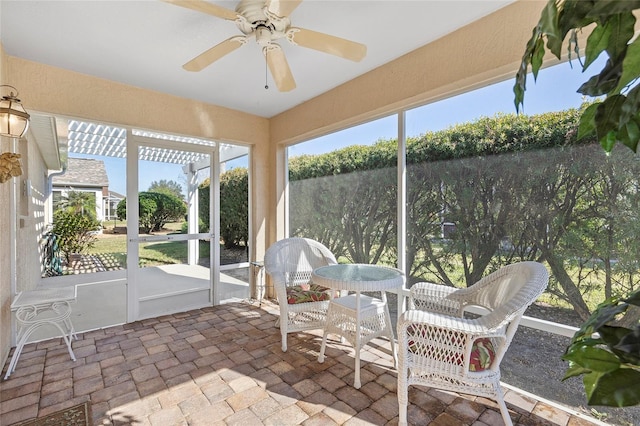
307 293
482 352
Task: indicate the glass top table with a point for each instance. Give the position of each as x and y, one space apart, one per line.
358 277
358 318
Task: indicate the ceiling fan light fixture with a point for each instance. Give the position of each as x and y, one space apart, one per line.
263 35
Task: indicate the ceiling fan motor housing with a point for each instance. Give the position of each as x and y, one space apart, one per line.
255 19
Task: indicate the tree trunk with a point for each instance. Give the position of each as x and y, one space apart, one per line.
567 284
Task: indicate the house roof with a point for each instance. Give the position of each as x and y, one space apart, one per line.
116 195
83 172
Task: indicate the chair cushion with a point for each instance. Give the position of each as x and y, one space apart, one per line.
305 293
482 352
482 355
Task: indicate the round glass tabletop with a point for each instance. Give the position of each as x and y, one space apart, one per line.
358 277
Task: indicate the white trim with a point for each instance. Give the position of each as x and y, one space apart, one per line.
232 266
402 204
214 218
13 245
174 237
173 293
133 225
285 183
252 238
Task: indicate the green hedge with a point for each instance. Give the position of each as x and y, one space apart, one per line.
234 206
514 188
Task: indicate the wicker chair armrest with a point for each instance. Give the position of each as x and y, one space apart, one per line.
435 298
474 327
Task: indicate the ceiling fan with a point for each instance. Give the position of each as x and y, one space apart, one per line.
268 21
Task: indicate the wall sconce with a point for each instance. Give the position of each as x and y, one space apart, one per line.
14 120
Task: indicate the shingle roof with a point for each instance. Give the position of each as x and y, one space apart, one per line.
83 172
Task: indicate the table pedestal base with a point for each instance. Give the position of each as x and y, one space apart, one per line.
358 319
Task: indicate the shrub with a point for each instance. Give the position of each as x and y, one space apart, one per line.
155 210
234 207
76 232
202 227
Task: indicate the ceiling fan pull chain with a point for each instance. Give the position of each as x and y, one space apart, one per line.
266 72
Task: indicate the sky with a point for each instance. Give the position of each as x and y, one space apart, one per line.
554 90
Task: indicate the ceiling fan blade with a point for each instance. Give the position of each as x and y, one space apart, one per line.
206 7
279 67
333 45
216 52
282 8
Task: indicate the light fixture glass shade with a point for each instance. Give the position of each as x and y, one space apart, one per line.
14 120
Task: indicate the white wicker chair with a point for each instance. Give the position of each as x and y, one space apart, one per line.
289 262
436 341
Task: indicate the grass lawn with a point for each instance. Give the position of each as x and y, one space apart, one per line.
114 246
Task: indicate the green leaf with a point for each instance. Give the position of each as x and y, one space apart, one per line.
629 135
620 29
521 76
537 58
572 46
629 345
596 43
630 66
518 100
630 106
575 14
604 82
587 126
578 343
619 388
590 382
575 370
612 335
594 358
548 25
605 314
633 298
608 116
601 8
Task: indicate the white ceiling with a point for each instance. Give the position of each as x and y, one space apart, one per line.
145 44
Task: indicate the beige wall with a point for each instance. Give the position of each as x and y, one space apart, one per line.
65 93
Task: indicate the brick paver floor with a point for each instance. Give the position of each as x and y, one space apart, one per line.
224 366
